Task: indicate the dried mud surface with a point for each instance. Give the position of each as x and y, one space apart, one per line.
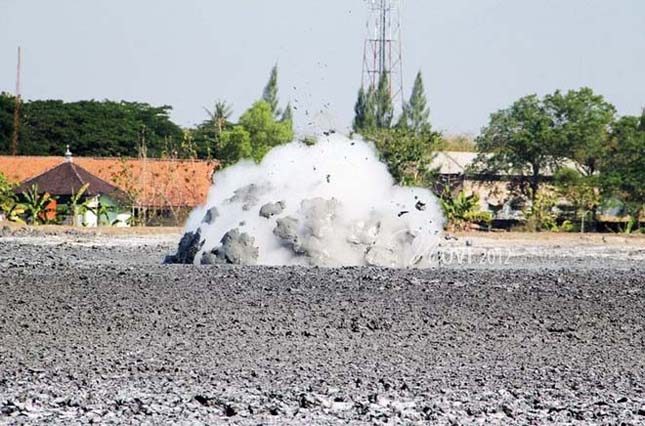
95 330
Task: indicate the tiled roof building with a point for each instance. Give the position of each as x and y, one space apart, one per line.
148 182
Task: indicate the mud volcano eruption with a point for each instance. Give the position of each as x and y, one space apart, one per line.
330 204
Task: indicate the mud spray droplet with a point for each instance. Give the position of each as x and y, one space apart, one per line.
330 204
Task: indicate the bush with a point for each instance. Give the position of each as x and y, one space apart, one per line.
462 211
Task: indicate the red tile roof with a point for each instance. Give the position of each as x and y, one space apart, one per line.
150 182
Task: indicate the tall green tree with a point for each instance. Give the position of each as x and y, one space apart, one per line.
407 152
220 115
358 123
384 106
365 111
287 114
521 141
263 130
622 174
416 114
582 120
206 135
270 93
408 155
235 145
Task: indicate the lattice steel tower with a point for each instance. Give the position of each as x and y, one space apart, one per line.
382 52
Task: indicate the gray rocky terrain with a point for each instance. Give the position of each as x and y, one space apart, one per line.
96 330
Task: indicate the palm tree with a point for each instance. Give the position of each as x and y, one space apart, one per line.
220 115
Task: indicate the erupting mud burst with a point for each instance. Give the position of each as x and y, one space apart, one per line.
330 204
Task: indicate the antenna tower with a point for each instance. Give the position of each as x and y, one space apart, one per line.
16 111
382 54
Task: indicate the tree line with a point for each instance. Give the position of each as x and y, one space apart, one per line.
121 129
574 142
573 139
405 143
93 128
593 157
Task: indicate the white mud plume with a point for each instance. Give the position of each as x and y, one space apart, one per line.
330 204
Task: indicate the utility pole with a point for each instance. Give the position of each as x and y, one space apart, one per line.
382 54
16 111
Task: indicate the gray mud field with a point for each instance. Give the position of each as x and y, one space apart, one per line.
94 330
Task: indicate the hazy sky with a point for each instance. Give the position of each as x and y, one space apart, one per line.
477 56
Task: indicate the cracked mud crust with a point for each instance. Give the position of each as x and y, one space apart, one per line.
94 329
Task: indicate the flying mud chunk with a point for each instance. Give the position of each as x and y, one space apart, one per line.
272 209
286 230
210 216
248 195
238 248
189 246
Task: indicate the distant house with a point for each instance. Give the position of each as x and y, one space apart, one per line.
98 200
154 191
498 192
494 191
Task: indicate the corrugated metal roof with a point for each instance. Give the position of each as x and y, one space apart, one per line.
458 163
452 162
